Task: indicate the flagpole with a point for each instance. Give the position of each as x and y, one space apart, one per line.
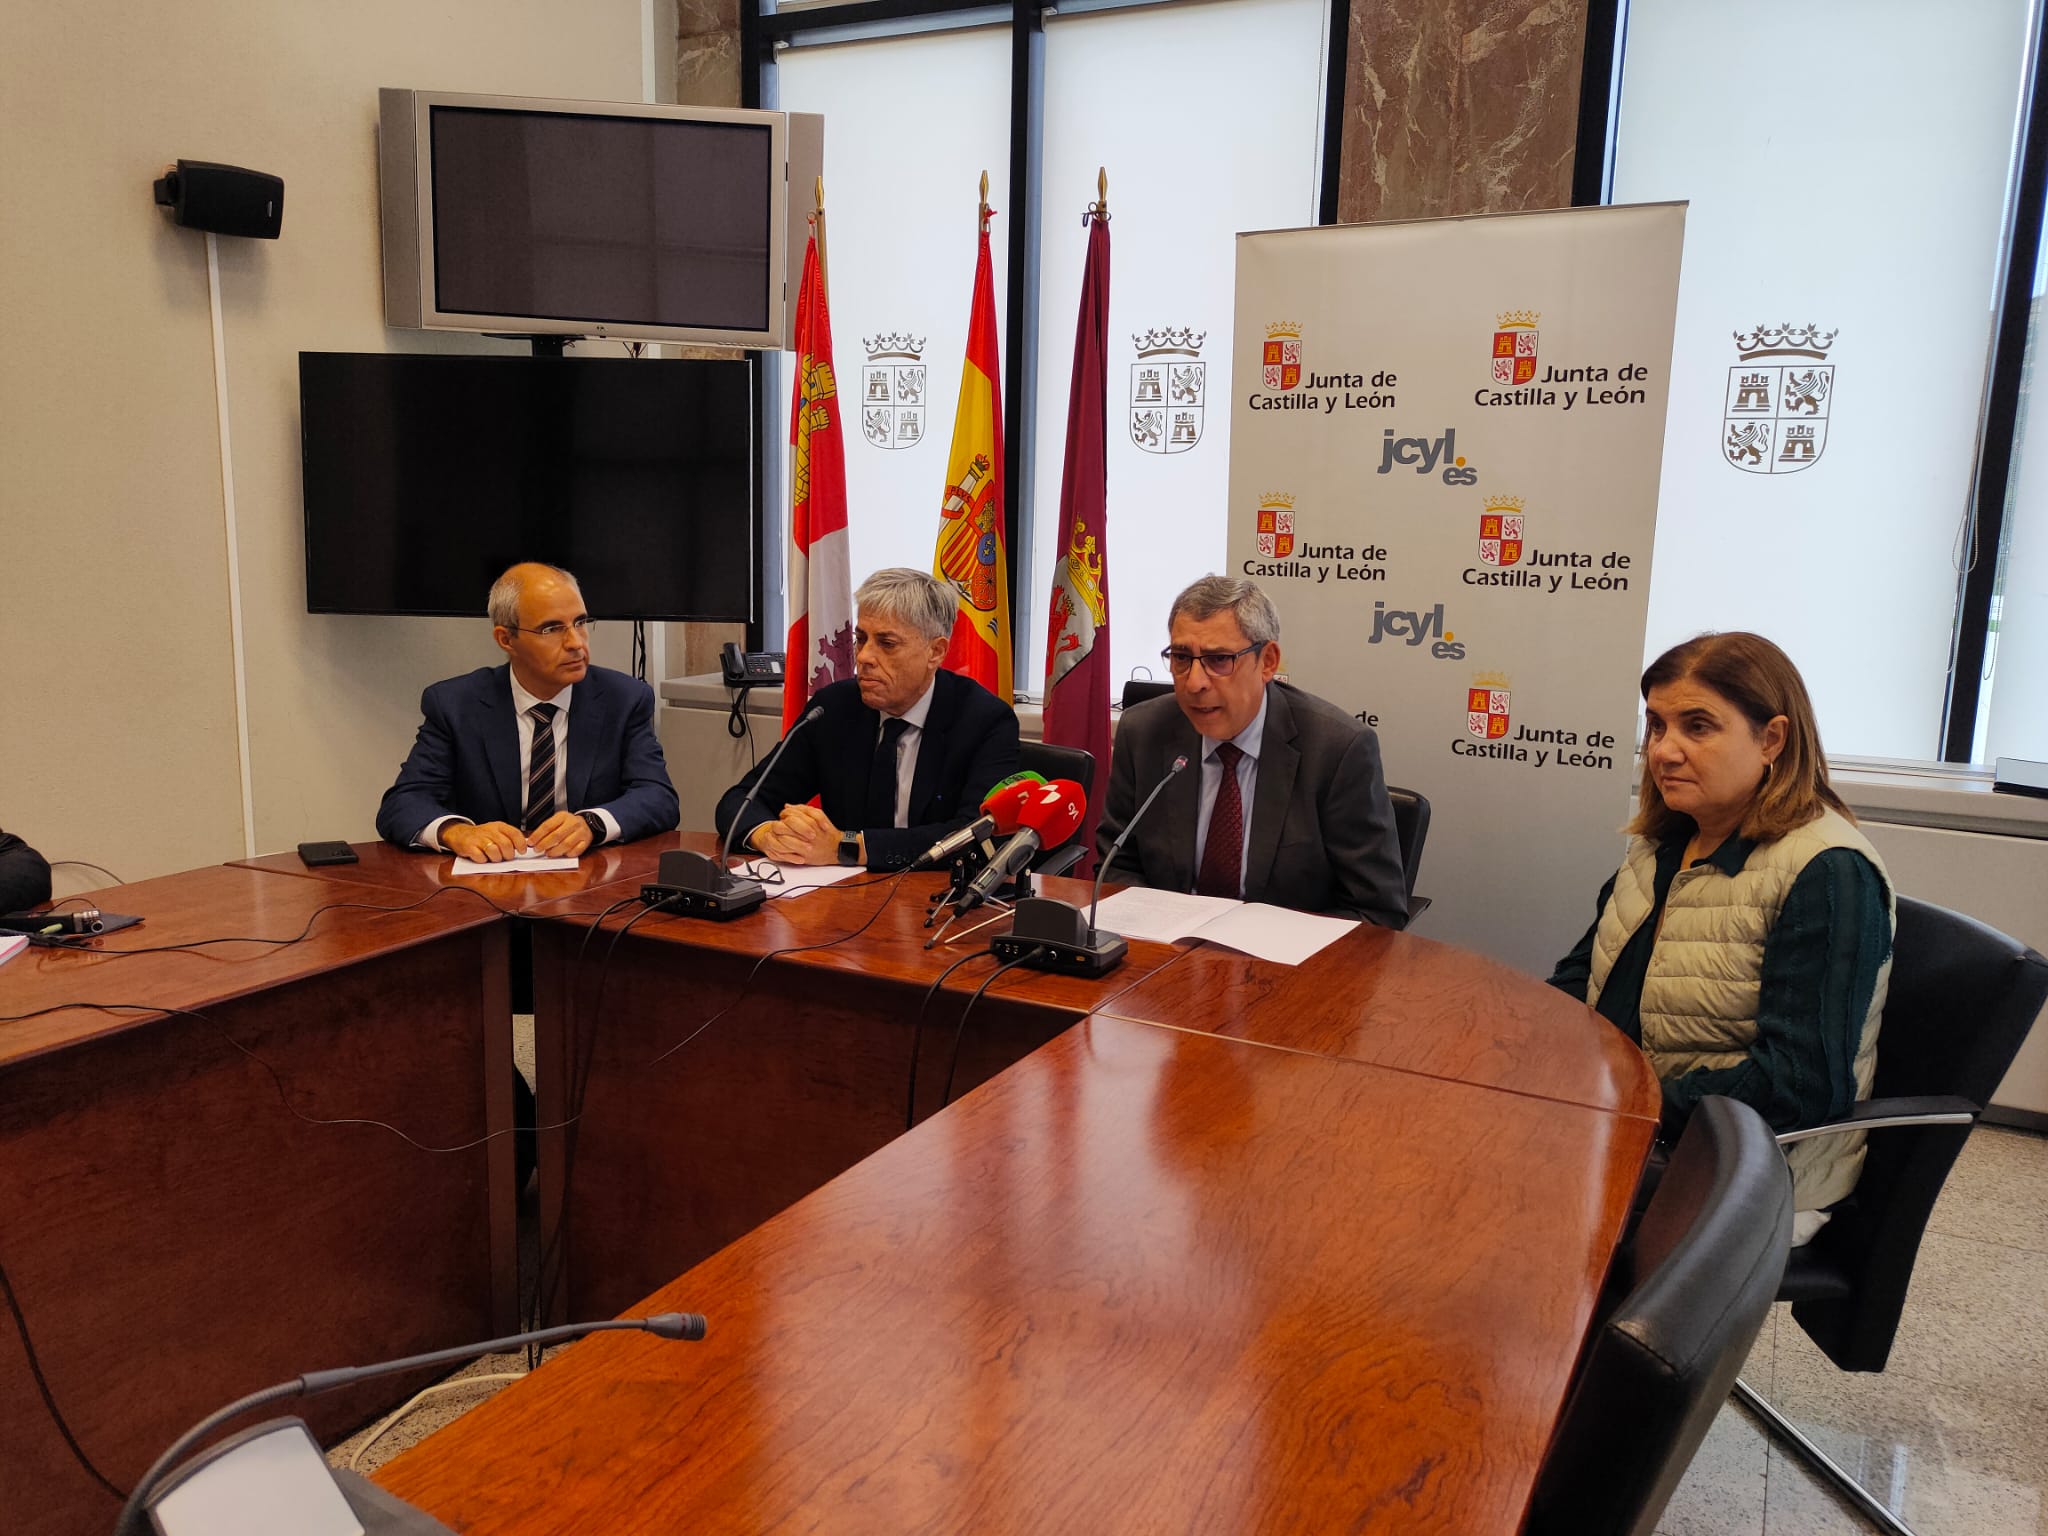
818 224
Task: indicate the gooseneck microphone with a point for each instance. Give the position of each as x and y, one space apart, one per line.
697 886
1123 837
1051 935
815 712
133 1520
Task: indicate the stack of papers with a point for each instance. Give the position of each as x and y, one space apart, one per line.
11 945
528 863
1279 934
799 878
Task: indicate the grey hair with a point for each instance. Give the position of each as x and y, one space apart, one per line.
924 602
1212 595
503 603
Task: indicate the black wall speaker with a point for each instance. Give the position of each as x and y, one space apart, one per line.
225 199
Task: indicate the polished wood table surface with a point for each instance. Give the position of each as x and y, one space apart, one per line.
1400 1000
421 872
1146 1280
802 1071
177 1230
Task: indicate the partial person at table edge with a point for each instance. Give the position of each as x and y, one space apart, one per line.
902 755
1305 799
548 749
24 875
1745 943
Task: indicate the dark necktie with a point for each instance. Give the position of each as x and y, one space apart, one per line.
1223 853
540 767
881 810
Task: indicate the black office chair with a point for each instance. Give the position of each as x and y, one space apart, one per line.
1411 830
1961 1001
1076 763
1137 691
1688 1296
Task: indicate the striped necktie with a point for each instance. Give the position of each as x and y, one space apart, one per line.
540 767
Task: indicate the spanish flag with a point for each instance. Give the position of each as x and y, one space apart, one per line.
972 514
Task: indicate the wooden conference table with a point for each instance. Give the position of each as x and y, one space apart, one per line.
177 1230
1246 1248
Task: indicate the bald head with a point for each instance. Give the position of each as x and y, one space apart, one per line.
538 620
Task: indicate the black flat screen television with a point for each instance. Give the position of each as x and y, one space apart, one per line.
427 476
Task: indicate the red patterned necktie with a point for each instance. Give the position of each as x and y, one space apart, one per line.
1223 853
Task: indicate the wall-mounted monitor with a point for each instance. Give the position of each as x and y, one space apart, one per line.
630 222
426 476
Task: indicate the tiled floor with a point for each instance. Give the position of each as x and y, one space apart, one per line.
1953 1434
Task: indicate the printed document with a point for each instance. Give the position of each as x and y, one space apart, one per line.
1279 934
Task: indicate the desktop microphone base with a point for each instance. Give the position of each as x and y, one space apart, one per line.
695 886
1048 935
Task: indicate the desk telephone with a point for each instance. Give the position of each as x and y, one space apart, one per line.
750 669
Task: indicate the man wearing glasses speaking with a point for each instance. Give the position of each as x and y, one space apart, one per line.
546 750
1283 800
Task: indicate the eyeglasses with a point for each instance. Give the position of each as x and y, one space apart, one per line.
763 870
555 629
1215 663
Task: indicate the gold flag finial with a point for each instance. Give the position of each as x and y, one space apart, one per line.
984 202
818 194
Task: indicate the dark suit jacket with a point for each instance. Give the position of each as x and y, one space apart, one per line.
1322 827
24 875
465 761
969 745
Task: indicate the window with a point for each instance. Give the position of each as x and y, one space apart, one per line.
1209 116
1848 169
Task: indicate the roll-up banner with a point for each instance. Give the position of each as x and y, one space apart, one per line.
1445 443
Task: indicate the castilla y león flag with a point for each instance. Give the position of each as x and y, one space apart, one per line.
969 555
1077 644
820 649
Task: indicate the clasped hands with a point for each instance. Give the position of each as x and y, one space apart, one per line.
803 835
564 835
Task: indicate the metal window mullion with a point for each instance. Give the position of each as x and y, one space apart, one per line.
1998 417
1020 371
1599 103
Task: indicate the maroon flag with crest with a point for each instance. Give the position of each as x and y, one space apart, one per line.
1077 649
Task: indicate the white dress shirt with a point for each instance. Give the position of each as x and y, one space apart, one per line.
522 703
1246 741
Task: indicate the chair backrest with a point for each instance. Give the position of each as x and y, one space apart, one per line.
1961 1000
1411 829
1695 1284
1076 763
1137 691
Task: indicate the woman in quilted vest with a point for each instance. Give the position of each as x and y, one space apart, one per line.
1746 940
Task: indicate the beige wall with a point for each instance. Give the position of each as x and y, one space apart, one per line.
110 483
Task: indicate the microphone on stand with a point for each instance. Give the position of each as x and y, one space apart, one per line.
275 1469
1044 816
998 806
1051 935
696 886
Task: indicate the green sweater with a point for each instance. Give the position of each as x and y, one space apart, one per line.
1820 966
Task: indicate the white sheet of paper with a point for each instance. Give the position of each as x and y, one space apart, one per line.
799 878
1165 917
528 863
12 945
1279 934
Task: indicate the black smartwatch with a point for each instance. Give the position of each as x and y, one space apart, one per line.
849 847
596 824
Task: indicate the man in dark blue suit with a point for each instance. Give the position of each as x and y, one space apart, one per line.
547 750
903 754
